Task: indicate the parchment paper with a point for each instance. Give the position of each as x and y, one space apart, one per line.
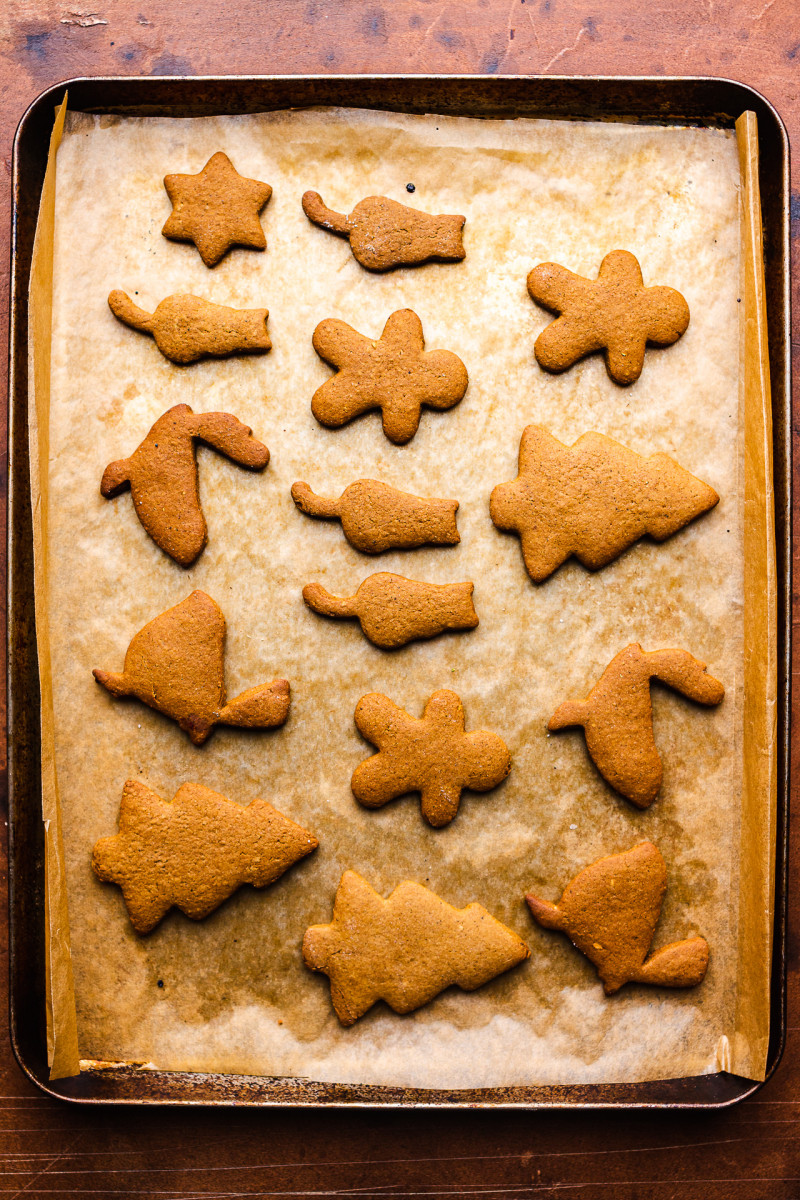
232 994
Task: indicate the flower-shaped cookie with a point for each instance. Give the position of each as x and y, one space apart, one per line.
614 312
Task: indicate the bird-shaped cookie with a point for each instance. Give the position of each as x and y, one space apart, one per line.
617 716
162 475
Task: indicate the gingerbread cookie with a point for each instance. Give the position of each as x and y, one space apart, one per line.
395 374
376 517
216 209
384 234
615 313
405 950
618 717
610 912
187 328
176 665
193 851
593 499
431 755
393 610
162 475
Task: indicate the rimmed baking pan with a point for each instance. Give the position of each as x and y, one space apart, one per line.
693 101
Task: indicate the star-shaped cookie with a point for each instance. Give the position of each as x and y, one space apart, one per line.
216 209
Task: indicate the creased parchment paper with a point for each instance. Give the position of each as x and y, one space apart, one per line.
231 994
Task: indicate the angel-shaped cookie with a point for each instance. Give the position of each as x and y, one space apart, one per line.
432 755
162 475
176 665
610 911
617 716
395 374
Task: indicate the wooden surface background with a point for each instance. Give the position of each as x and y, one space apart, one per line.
751 1152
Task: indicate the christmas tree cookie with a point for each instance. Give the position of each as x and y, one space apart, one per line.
405 950
193 851
593 499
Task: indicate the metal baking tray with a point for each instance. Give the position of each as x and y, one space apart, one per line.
682 100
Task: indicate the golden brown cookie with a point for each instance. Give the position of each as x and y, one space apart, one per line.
384 234
187 328
393 610
615 313
216 209
405 950
431 755
193 851
395 374
176 665
610 912
162 475
376 517
618 717
593 499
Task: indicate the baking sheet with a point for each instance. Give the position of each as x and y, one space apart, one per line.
235 995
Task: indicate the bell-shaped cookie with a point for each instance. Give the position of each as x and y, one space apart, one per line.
384 234
393 610
188 328
376 517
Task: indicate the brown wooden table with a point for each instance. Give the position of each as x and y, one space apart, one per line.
751 1152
